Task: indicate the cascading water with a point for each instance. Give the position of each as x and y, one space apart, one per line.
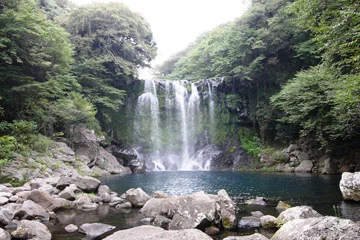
171 123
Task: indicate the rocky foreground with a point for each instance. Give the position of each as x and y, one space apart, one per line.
25 209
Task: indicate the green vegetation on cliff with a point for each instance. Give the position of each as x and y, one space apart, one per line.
292 69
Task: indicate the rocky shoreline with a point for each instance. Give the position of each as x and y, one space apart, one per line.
25 210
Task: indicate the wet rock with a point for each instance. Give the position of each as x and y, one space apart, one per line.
30 210
89 206
87 184
212 230
93 230
137 197
249 222
146 221
4 235
257 214
329 228
149 233
305 166
268 221
125 205
350 186
298 212
31 230
281 206
257 201
255 236
162 222
71 228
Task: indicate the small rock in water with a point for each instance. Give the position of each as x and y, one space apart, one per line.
255 236
94 230
147 221
71 228
90 206
249 222
282 206
212 230
125 205
257 201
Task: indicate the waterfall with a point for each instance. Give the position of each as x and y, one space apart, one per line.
171 123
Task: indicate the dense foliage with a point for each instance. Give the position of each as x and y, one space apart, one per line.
52 78
292 69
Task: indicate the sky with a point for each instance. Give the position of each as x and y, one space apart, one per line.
177 23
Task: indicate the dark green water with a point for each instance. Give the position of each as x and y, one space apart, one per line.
319 191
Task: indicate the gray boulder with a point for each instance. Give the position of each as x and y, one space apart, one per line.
4 235
125 205
329 228
64 181
281 206
227 209
255 236
87 184
93 230
350 186
3 200
162 222
69 193
31 230
249 222
6 215
48 202
257 214
108 162
299 212
305 166
149 233
30 210
137 197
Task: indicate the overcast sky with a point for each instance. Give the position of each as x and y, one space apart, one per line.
176 23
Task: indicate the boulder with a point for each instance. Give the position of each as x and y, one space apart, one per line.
71 228
137 197
93 230
268 221
5 194
69 193
255 236
257 201
299 212
65 181
150 232
4 235
30 210
305 166
329 228
212 230
48 202
227 209
326 165
6 215
3 200
31 230
87 184
249 222
350 186
108 162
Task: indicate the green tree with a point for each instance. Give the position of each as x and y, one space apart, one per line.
111 43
